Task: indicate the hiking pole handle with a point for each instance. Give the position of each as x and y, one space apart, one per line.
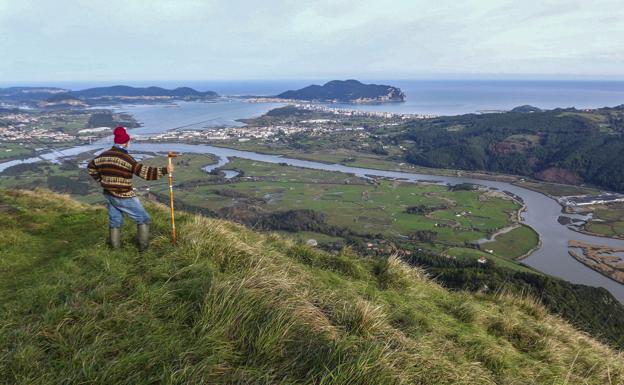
170 157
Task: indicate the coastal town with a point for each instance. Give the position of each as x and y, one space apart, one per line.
329 120
324 108
24 126
21 127
316 127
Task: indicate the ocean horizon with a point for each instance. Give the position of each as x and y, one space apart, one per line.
436 97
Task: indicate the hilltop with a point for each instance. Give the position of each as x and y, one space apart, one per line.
347 91
229 305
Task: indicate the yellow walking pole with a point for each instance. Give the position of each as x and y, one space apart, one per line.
170 156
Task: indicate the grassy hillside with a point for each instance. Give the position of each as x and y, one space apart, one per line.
231 306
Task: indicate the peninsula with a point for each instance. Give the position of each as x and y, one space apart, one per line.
347 91
60 97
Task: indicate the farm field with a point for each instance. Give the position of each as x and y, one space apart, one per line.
370 208
513 244
365 206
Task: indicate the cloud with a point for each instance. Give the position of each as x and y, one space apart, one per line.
217 39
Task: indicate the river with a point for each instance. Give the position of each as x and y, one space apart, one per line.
541 214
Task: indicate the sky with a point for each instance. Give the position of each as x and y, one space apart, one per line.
86 40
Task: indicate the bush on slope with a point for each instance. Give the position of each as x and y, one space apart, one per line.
231 306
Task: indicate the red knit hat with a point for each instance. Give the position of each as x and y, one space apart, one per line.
121 136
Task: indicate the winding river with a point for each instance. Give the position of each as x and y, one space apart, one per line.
541 214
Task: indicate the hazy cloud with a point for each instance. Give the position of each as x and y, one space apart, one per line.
214 39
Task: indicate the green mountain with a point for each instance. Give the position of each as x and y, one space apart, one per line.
347 91
232 306
562 145
127 91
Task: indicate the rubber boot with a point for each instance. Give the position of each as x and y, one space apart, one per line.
115 237
143 236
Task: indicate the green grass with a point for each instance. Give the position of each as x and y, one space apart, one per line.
463 253
10 151
607 221
357 204
340 155
230 306
555 189
186 166
513 244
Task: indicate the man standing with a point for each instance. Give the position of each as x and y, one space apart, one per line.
114 169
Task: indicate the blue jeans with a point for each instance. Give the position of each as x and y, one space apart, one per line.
130 206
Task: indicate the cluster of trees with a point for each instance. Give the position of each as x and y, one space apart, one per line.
68 185
22 168
107 119
424 209
423 236
567 140
101 119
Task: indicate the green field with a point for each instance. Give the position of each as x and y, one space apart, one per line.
369 207
607 220
365 206
463 253
14 150
555 189
348 157
513 244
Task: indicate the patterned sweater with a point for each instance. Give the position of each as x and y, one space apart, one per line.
114 168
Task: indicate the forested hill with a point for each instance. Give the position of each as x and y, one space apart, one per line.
116 91
233 306
347 91
36 96
561 145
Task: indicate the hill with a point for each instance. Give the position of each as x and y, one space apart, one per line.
59 97
127 91
229 305
562 145
347 91
62 100
526 108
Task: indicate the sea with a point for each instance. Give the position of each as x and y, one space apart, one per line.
436 97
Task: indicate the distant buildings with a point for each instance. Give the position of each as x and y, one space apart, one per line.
94 130
354 112
317 128
587 200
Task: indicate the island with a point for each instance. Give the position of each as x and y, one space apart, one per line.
345 91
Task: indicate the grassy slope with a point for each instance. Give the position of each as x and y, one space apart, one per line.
229 305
